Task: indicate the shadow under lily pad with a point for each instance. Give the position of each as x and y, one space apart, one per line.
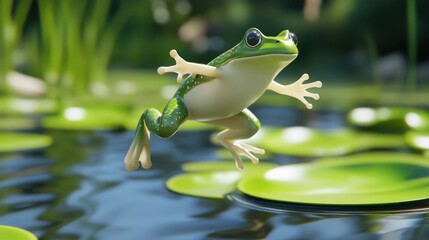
212 179
363 179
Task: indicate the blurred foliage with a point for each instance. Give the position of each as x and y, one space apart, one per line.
333 43
351 39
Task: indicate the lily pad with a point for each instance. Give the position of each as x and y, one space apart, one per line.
17 123
212 179
9 232
27 105
418 139
303 141
364 179
10 141
88 118
392 119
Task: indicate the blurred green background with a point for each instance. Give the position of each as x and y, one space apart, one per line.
68 67
75 52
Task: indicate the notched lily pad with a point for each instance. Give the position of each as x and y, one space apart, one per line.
212 179
303 141
375 178
10 141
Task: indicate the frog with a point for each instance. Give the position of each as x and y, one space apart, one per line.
220 92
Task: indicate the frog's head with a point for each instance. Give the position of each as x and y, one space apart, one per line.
256 44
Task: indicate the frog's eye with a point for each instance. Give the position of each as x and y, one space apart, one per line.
294 38
253 37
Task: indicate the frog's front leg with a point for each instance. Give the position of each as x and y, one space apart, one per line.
297 89
163 125
241 126
182 67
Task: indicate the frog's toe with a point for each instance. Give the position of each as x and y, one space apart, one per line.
173 53
161 70
131 161
247 151
313 95
144 158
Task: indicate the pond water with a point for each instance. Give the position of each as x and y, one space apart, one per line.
78 189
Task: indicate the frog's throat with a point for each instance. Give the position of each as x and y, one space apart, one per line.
268 64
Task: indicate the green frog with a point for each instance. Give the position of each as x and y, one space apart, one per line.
220 92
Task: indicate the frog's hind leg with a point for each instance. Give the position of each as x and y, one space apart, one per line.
163 125
241 126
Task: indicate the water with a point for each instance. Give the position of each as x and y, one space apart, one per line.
78 189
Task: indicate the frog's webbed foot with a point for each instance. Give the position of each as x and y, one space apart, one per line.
298 89
241 126
139 150
182 68
238 148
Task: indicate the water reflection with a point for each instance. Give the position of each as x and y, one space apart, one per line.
78 189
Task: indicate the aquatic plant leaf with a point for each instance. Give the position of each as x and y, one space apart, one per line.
10 232
27 105
389 119
303 141
10 141
88 118
371 178
17 123
418 139
212 179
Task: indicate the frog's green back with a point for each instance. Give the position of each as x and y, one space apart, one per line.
224 57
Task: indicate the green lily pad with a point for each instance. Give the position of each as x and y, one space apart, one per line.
27 105
10 232
212 179
393 119
364 179
17 123
303 141
10 141
88 118
418 139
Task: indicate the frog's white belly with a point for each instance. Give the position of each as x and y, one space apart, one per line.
243 82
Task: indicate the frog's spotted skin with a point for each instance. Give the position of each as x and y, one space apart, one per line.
190 83
220 92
